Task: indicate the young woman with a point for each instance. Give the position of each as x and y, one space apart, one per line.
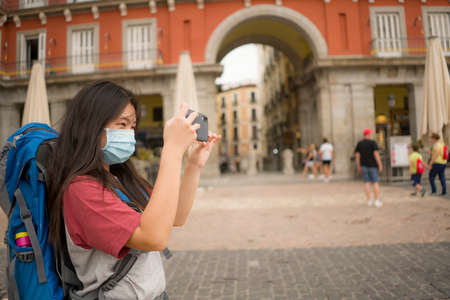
91 174
310 162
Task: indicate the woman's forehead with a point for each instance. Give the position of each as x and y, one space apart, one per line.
128 113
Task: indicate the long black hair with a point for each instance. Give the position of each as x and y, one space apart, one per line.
78 151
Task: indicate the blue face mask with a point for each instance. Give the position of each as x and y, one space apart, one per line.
119 145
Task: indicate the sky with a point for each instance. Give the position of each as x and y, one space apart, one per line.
241 64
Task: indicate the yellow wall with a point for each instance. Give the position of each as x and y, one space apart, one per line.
148 103
381 94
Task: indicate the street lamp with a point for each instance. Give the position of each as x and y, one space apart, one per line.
391 101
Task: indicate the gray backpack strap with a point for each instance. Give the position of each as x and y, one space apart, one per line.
121 269
26 217
13 292
4 199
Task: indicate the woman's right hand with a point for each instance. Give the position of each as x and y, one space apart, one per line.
179 132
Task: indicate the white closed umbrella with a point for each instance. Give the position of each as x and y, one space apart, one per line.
36 103
436 91
185 89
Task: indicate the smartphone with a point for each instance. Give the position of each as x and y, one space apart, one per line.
202 132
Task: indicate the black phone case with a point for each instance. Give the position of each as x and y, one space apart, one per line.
202 132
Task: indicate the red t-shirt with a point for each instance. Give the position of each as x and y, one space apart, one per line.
96 218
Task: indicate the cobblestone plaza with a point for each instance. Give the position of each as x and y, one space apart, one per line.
280 237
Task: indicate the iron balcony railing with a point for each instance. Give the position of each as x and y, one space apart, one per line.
11 5
85 64
403 47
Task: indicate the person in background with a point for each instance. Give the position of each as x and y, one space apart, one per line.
310 160
326 153
437 163
369 165
416 168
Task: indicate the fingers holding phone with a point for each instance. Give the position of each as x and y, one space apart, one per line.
181 130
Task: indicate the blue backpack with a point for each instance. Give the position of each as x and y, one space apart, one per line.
40 271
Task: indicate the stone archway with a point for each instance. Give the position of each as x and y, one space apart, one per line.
298 21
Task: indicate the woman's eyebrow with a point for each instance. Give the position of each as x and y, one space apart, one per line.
127 119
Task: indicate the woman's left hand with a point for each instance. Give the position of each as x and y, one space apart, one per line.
200 151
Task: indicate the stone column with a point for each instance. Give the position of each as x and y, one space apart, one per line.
9 121
363 109
415 107
57 113
288 162
206 93
342 125
324 106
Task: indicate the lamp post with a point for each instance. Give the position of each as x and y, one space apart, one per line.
391 103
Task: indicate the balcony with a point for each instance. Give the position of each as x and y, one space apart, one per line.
11 5
84 64
404 47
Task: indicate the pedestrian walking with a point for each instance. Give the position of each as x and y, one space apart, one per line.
437 164
311 156
416 169
369 165
100 208
326 153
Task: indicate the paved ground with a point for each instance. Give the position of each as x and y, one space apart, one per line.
402 271
278 237
287 238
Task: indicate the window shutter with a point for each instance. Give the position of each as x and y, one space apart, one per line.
139 41
439 25
83 51
388 34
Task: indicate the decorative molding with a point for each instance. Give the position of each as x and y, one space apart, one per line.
401 1
16 19
201 4
247 3
171 4
371 1
327 1
43 18
355 1
68 15
123 9
3 20
94 10
423 1
152 5
278 2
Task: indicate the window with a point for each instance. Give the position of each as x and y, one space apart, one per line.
236 150
235 115
157 114
32 3
253 114
254 133
139 40
252 97
388 31
235 134
223 118
223 102
83 48
224 133
437 23
255 146
235 99
31 47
